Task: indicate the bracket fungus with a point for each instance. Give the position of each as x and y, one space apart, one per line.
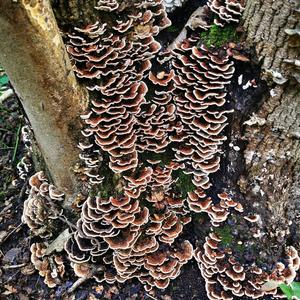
200 79
227 11
41 207
171 5
52 267
227 278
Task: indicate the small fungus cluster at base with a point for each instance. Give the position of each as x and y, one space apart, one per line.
226 277
42 206
52 267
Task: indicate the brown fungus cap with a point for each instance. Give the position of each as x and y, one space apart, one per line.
50 267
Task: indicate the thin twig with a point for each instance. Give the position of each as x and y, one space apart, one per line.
10 233
14 266
16 143
5 209
151 296
4 129
11 277
81 280
77 283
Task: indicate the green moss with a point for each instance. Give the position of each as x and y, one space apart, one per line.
218 36
227 239
173 28
225 234
184 182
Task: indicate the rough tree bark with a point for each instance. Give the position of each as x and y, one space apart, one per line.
34 57
272 156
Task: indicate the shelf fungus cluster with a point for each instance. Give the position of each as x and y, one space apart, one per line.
227 278
42 205
129 241
227 11
50 267
113 63
200 81
217 210
152 139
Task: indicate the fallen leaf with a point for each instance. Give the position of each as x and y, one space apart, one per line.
9 290
58 244
240 57
28 269
270 285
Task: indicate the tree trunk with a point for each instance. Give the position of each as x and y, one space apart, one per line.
34 57
272 155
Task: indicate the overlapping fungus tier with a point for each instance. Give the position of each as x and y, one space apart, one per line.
157 119
41 206
227 278
201 76
113 60
51 267
218 210
140 105
128 241
227 11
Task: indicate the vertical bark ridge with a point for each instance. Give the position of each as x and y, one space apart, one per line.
273 152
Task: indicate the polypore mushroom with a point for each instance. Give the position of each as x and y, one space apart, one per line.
50 267
200 78
227 11
41 206
171 5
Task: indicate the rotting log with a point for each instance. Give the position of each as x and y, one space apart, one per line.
271 181
33 55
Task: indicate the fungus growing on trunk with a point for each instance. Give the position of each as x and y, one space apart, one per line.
171 5
227 11
200 79
41 207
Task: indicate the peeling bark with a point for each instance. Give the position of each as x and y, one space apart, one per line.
272 156
34 57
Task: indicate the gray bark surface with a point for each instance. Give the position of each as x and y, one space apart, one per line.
272 156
